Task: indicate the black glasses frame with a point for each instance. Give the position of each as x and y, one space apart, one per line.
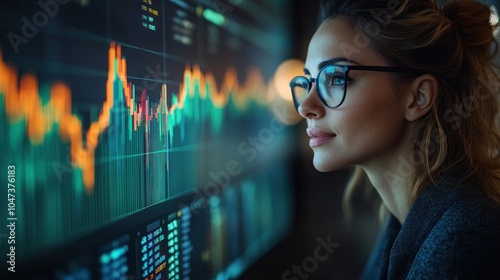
346 69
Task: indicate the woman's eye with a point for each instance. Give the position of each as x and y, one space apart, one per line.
336 80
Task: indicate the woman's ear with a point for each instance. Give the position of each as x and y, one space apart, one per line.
421 97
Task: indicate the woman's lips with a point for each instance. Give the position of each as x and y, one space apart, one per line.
319 137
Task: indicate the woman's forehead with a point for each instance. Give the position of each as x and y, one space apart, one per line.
337 39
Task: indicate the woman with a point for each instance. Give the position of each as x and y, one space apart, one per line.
406 91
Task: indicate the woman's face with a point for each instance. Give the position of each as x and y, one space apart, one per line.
369 126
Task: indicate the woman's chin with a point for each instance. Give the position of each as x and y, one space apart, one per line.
325 166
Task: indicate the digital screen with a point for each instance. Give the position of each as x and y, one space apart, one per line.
109 109
113 260
152 251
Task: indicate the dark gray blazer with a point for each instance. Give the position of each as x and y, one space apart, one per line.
451 232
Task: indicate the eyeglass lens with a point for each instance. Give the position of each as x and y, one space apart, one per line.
331 84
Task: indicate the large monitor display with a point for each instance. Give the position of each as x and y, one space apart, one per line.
138 139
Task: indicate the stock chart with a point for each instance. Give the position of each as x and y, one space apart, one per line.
109 108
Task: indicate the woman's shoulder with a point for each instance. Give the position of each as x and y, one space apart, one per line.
465 238
452 206
469 210
471 218
465 211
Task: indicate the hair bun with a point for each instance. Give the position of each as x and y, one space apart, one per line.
472 21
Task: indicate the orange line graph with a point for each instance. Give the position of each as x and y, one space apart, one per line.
22 102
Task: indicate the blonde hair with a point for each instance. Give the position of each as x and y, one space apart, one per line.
456 44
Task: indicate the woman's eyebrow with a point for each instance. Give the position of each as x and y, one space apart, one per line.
331 62
335 61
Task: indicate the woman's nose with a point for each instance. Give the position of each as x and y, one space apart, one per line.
312 107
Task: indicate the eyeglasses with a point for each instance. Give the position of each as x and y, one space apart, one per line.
332 83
